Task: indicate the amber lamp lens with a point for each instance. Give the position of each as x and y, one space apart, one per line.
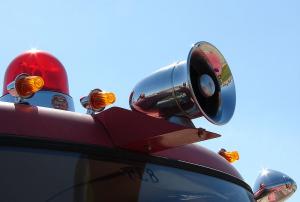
230 156
28 85
99 100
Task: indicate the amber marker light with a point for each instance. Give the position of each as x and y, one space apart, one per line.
101 99
24 86
229 156
29 85
97 100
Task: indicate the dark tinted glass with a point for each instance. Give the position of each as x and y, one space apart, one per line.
51 176
173 185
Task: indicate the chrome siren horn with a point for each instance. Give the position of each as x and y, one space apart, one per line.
201 86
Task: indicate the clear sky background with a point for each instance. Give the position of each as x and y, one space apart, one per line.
113 44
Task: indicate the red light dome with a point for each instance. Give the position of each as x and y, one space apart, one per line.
38 63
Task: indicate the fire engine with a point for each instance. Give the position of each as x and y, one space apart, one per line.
51 153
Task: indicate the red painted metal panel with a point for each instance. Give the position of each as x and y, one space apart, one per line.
139 132
196 154
39 122
115 127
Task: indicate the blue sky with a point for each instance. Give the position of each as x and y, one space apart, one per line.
113 44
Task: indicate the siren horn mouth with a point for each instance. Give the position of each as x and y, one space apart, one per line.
211 82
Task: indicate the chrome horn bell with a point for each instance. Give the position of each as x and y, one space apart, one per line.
201 86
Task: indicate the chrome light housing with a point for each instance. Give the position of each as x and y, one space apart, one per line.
273 186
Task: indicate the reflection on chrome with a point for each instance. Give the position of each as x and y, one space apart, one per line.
218 63
273 186
201 86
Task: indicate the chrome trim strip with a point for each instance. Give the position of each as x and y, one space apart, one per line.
48 99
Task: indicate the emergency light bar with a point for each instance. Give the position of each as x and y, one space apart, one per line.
201 86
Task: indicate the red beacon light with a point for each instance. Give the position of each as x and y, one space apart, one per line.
35 63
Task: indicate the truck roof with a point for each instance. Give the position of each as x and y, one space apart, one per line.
114 128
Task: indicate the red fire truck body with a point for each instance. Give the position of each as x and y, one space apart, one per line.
51 153
56 125
56 130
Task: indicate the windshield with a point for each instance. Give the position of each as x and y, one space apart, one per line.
29 174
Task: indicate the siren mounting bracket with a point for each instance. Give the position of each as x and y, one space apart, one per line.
135 131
